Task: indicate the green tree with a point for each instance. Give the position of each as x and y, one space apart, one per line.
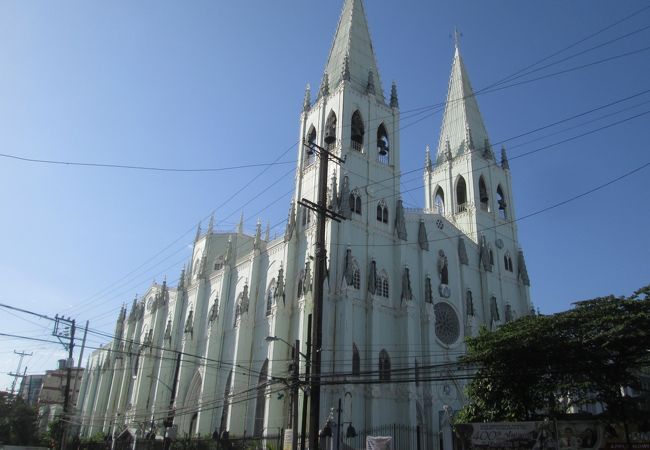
540 365
18 421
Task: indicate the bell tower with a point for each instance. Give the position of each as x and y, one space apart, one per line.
352 118
465 183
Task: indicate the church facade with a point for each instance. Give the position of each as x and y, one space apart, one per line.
403 287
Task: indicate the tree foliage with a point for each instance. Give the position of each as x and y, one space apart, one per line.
18 421
540 365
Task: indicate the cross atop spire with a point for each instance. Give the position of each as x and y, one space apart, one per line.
352 56
457 35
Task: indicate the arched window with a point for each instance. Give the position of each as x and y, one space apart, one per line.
382 285
428 292
330 130
383 145
310 154
270 297
260 405
507 262
355 202
461 195
484 198
357 131
469 303
384 365
382 212
226 403
501 201
356 361
439 201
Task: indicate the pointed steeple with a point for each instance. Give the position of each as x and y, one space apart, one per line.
352 42
462 124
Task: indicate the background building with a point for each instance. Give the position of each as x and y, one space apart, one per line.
403 287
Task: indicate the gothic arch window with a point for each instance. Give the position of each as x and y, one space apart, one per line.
226 403
330 130
439 201
356 361
260 405
383 145
382 285
384 365
357 131
270 297
507 261
428 292
501 201
461 195
484 198
494 309
306 216
469 303
310 155
382 212
355 202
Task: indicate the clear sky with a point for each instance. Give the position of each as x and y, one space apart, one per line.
220 83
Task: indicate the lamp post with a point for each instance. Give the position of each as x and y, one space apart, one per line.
294 388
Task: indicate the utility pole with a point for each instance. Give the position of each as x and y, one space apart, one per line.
322 212
65 328
294 393
81 355
303 424
169 421
17 374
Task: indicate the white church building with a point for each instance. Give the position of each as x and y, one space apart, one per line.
403 289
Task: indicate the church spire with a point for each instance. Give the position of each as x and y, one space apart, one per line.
462 124
352 55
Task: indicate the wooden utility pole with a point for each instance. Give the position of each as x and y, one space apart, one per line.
65 328
17 374
322 213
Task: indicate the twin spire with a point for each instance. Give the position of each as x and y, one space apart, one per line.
463 130
352 57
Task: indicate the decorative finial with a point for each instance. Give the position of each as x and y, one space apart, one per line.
345 72
267 233
240 227
505 165
211 224
198 232
306 103
370 88
324 90
291 222
427 159
258 234
394 102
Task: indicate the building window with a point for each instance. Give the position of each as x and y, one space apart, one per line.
461 195
355 202
269 298
383 145
469 303
382 212
428 292
503 205
384 366
330 130
356 361
382 285
357 131
507 262
483 194
439 201
310 154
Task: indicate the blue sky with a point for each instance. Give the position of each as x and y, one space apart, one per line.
217 84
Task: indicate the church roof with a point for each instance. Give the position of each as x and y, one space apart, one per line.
352 42
462 121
